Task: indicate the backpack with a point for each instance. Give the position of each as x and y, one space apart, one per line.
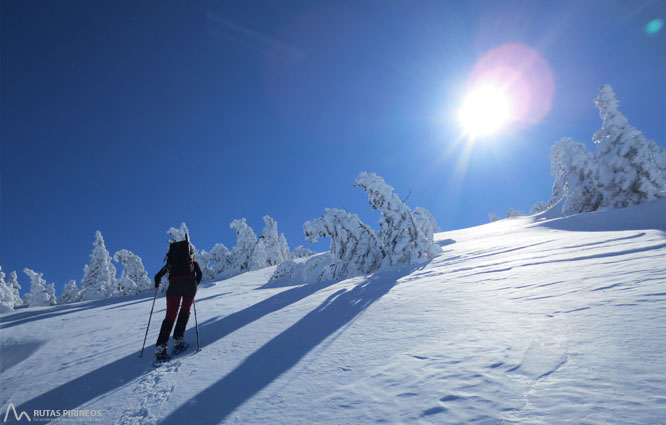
180 258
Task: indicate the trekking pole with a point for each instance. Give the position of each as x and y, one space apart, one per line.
149 318
196 325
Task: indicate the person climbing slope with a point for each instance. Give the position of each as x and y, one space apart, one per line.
184 277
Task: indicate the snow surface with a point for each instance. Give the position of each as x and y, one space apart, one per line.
525 320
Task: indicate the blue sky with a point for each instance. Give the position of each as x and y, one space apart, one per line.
132 117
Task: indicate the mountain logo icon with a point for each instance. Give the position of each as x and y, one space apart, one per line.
18 417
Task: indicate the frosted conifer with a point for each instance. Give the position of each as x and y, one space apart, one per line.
632 168
246 239
99 277
70 293
134 277
576 177
271 248
41 293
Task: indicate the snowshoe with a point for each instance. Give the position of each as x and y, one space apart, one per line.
179 345
161 355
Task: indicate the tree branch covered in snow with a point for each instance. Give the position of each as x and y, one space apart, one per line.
402 239
405 238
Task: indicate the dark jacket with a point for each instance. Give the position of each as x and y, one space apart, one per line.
187 271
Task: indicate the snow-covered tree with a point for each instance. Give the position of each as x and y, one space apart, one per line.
99 277
300 251
41 294
355 247
493 217
318 268
271 248
426 222
246 239
221 263
70 293
576 177
402 240
632 168
15 288
514 213
178 234
134 277
6 296
538 207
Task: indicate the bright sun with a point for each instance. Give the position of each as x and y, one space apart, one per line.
485 110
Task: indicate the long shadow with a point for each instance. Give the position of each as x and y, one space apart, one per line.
20 318
113 375
280 354
217 328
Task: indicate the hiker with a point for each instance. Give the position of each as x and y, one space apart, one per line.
184 277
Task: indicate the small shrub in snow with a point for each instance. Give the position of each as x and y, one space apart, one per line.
41 294
493 217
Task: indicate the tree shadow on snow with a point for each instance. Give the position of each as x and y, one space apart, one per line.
284 351
123 371
21 317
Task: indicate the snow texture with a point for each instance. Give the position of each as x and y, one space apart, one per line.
523 321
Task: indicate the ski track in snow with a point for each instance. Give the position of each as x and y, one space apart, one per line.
520 321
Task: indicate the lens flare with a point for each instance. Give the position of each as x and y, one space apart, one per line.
654 26
512 80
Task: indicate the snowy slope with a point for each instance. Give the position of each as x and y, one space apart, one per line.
525 320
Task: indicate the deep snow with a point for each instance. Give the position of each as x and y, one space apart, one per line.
534 320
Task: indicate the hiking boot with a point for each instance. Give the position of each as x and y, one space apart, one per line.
179 344
161 354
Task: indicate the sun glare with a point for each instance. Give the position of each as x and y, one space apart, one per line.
485 110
